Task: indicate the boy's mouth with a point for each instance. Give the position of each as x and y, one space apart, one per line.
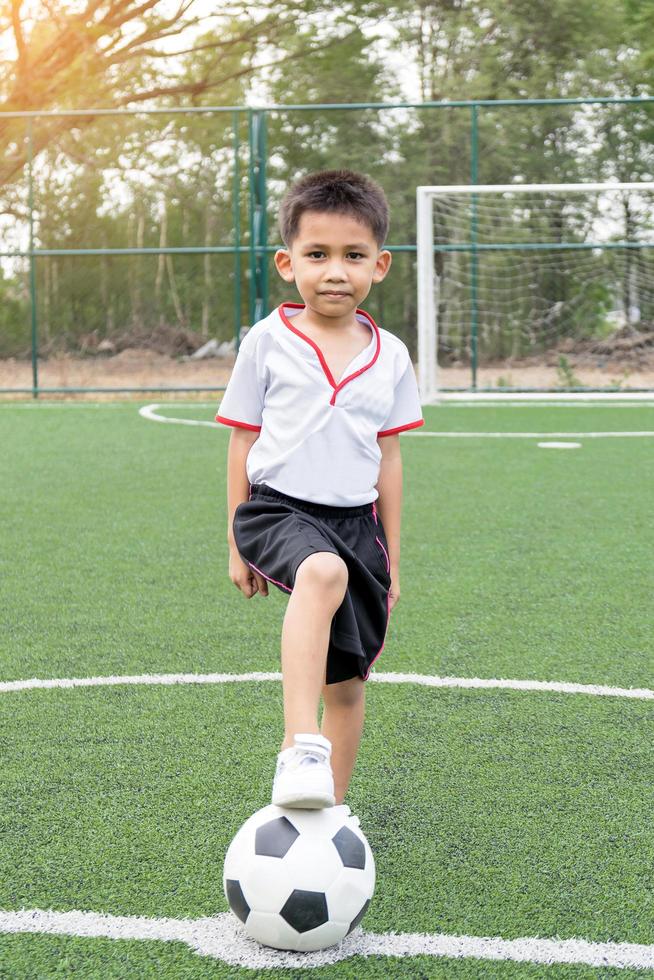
335 292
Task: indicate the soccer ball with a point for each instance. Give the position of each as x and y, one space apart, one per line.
299 879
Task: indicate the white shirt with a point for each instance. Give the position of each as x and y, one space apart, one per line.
318 438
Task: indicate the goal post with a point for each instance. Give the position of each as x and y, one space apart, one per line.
510 273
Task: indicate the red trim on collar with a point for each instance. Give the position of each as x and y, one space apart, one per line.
337 387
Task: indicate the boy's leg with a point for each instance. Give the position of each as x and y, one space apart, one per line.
342 724
319 589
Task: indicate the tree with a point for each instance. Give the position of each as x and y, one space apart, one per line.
640 26
115 53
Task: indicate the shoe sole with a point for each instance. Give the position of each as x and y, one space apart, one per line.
315 802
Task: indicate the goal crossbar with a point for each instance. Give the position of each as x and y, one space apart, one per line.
642 185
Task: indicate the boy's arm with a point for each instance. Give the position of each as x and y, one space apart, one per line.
238 485
238 491
389 504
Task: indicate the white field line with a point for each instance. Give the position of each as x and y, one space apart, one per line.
465 398
471 402
453 400
222 937
530 435
117 404
545 397
423 680
151 412
44 404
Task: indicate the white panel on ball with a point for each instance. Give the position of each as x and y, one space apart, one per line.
327 935
346 897
313 863
277 933
267 885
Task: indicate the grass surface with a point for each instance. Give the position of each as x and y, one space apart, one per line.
491 813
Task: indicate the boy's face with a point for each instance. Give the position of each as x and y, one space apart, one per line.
333 260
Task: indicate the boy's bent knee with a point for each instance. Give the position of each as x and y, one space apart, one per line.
345 693
324 569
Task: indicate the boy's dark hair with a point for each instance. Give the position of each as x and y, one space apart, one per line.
339 192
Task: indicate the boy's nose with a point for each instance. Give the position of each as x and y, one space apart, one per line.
336 273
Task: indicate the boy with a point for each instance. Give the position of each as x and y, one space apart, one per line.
317 398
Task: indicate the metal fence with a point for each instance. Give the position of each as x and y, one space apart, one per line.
251 246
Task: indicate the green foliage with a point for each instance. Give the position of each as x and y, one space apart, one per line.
14 317
567 377
640 31
621 380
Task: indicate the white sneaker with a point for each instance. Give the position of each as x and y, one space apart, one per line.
304 777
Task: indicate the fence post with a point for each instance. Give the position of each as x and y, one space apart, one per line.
236 212
252 257
474 258
262 197
258 217
33 311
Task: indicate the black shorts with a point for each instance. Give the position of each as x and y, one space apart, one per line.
274 533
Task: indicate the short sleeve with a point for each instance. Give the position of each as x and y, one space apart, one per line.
406 412
242 403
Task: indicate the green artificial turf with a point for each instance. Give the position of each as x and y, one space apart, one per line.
490 813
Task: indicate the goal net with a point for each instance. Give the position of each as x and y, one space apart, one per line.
514 279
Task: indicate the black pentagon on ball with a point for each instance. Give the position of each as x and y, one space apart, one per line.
305 910
357 919
350 847
236 899
273 839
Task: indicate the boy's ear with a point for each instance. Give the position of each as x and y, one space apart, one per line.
284 265
382 265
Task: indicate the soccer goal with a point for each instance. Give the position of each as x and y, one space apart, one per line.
518 280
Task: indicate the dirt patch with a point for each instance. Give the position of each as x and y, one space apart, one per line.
129 369
625 361
164 338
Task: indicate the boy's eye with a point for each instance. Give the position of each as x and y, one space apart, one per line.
317 254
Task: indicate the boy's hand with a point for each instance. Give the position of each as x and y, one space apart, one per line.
244 578
394 592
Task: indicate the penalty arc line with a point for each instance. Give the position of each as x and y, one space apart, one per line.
222 937
150 412
424 680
